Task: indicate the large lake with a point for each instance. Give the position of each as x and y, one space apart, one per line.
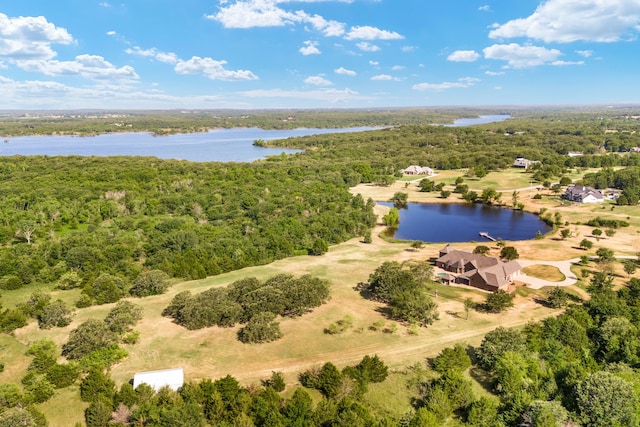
456 222
220 145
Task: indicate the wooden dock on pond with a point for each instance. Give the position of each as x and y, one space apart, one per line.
486 236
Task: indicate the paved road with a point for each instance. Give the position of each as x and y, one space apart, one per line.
563 266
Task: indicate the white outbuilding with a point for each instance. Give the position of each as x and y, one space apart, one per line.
174 378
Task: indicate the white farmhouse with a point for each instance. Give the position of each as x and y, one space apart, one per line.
582 194
417 170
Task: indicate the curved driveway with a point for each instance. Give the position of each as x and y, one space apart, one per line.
563 266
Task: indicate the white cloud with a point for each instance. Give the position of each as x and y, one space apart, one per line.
91 67
398 67
213 69
585 53
382 77
566 21
518 56
166 57
317 81
464 56
485 8
494 73
30 38
104 4
253 13
111 33
309 48
367 47
345 72
408 49
374 63
462 83
371 33
563 63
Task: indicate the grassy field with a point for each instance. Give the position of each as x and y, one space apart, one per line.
216 352
546 272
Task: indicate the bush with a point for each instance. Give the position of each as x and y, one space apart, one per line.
153 282
64 375
56 314
11 282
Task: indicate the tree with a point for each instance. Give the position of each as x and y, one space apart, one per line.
605 255
320 247
509 253
413 306
123 316
391 219
276 381
603 399
426 185
481 250
417 244
56 314
557 297
496 343
498 301
399 199
586 244
372 369
469 304
514 199
452 359
390 279
565 233
596 232
107 288
610 232
89 336
445 193
152 282
629 266
262 327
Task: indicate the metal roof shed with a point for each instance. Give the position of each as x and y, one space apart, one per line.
174 378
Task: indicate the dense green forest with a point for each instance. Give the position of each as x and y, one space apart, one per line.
579 368
118 226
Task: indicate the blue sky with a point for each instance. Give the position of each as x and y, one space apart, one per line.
197 54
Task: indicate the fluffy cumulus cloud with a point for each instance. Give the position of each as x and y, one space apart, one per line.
372 33
462 83
271 13
367 47
317 81
91 67
309 48
464 56
518 56
566 21
345 72
167 57
213 69
30 38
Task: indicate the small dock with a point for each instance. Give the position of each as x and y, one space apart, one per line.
486 236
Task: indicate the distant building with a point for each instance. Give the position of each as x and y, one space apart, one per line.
173 378
582 194
521 162
417 170
575 153
477 270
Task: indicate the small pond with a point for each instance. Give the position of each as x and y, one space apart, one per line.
456 222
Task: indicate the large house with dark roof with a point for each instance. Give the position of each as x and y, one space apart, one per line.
582 194
477 270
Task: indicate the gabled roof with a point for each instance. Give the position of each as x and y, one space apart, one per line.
173 378
490 270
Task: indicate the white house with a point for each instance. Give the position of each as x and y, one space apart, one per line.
582 194
174 378
417 170
521 162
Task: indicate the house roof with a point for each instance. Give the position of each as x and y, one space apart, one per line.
492 271
580 191
173 378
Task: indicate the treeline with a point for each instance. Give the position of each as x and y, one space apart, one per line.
487 147
252 302
627 180
98 223
162 123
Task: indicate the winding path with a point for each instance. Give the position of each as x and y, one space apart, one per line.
563 266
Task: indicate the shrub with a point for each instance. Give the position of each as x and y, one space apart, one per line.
11 282
63 375
261 328
153 282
